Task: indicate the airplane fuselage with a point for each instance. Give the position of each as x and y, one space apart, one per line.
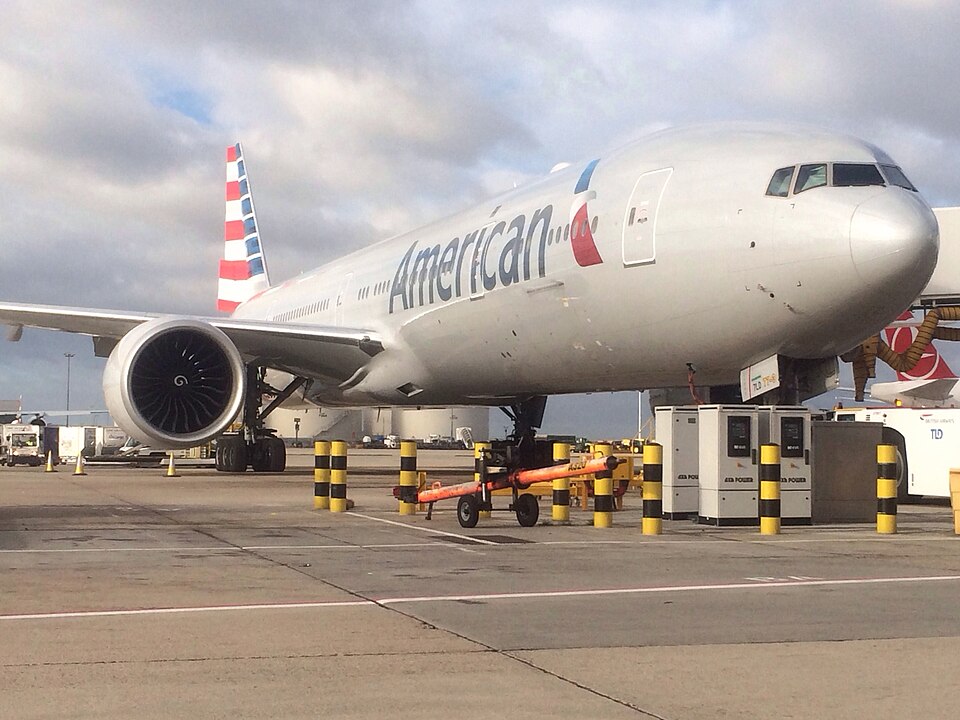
617 273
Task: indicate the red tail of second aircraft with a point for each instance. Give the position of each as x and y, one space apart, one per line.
932 366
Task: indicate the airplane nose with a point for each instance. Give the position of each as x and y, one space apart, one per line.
894 237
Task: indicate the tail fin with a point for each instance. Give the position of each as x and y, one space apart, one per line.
932 366
243 269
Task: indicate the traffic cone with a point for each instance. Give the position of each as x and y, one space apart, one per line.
171 468
78 470
50 467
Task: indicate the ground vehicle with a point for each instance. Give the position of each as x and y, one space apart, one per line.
927 441
22 445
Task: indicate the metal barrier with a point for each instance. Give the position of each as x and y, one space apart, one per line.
321 475
770 489
652 523
886 489
408 477
603 491
561 486
338 476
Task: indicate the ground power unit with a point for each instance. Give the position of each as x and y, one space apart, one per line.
678 431
729 480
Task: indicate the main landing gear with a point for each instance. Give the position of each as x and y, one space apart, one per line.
256 446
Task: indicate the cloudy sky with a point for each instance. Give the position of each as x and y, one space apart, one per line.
363 119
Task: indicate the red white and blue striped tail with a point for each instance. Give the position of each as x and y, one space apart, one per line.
243 269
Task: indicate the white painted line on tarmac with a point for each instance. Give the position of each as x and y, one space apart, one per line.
227 548
183 610
665 589
478 541
217 548
347 547
888 539
761 584
582 542
389 546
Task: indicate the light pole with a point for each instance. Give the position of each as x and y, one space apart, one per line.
68 356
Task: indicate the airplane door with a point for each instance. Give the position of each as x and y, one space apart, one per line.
640 219
342 298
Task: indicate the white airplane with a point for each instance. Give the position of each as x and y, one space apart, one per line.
704 249
931 383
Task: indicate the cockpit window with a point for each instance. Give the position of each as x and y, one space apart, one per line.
856 175
780 182
896 177
811 176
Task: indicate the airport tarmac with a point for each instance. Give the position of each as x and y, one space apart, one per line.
129 594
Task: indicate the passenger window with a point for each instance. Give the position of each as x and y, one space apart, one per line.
811 176
780 182
896 177
856 175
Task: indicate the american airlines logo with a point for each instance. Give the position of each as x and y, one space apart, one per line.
497 254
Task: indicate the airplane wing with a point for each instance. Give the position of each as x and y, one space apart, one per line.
316 351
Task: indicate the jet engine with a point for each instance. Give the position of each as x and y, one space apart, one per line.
174 382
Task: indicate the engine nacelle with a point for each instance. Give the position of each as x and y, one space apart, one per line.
174 382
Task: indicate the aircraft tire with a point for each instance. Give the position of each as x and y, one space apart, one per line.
221 456
468 511
231 454
260 455
240 456
277 455
527 509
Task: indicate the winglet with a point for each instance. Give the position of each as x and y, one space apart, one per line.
243 269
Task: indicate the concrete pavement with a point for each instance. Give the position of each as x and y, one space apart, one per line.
127 594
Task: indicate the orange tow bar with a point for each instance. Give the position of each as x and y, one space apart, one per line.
519 478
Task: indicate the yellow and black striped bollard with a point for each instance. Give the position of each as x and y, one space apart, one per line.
561 486
338 476
478 448
770 489
886 489
652 523
321 475
408 477
603 491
